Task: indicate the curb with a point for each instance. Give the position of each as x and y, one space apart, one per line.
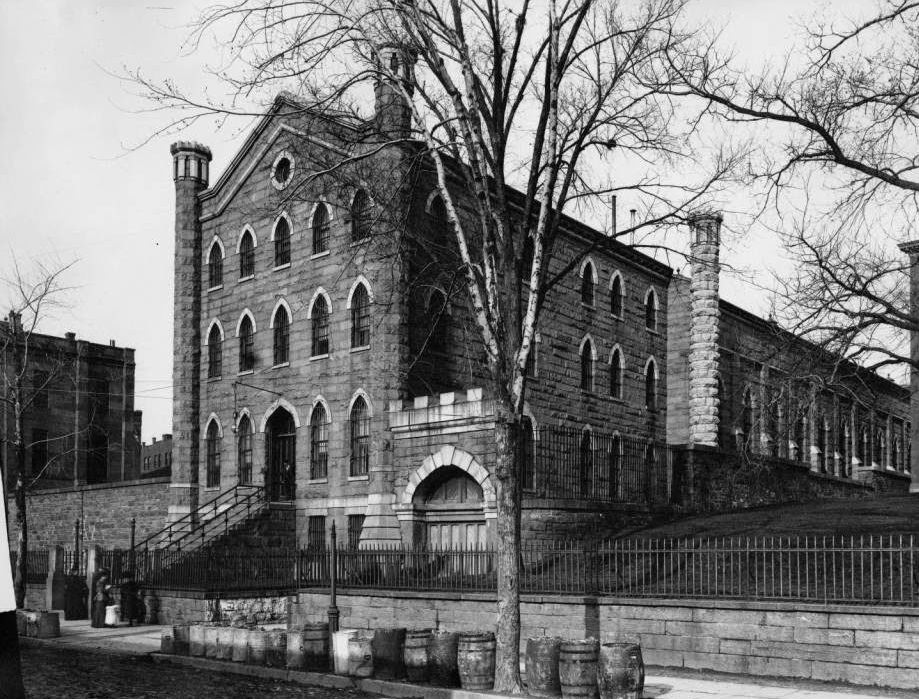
387 688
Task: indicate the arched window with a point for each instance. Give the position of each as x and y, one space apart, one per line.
437 317
615 468
651 385
212 450
746 419
246 345
319 443
843 442
360 438
651 310
439 216
246 256
320 228
526 261
822 445
281 242
244 450
360 317
361 216
801 433
586 462
214 352
587 366
616 297
615 374
527 454
320 322
281 336
587 284
215 266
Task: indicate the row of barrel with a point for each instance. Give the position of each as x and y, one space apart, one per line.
553 667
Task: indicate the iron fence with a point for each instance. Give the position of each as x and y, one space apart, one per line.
597 467
851 570
213 570
75 558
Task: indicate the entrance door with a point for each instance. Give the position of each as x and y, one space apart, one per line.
281 456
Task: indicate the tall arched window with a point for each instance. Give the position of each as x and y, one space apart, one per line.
281 242
651 385
320 227
319 443
212 450
586 464
527 454
281 336
616 297
361 216
651 310
360 438
215 266
244 450
615 374
526 260
320 323
822 445
439 217
246 345
214 352
587 366
360 317
587 284
246 256
437 318
615 468
843 440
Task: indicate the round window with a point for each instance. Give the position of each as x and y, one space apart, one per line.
281 171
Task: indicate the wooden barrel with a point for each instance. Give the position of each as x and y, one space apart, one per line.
196 640
360 655
276 648
475 660
240 645
225 642
577 669
49 625
167 642
180 637
316 646
257 646
415 654
210 641
620 671
387 647
442 666
542 667
340 650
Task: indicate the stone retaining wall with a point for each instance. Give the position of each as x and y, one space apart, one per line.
189 607
861 645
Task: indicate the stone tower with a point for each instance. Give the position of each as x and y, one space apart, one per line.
705 228
190 165
393 114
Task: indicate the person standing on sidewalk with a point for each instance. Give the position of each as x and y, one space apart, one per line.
101 600
131 606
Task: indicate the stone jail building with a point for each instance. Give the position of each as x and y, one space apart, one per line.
79 423
324 351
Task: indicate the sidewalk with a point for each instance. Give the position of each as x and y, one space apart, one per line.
662 683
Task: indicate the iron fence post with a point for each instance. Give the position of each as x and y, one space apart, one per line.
333 575
131 559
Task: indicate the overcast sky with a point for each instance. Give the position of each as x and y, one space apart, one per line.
75 185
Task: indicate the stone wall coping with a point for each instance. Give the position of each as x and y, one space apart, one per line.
733 605
87 487
881 471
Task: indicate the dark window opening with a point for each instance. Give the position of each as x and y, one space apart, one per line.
587 367
281 336
214 353
360 438
320 323
244 451
355 526
282 243
246 345
319 443
320 229
616 297
212 450
215 267
587 284
246 256
361 216
360 317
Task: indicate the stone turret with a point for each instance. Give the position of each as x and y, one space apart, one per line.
705 228
912 249
190 166
393 114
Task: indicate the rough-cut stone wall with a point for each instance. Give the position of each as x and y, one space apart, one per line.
862 645
704 328
105 511
184 608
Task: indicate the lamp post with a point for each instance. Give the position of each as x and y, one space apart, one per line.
333 559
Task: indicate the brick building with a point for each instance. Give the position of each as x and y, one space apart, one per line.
324 352
156 457
79 426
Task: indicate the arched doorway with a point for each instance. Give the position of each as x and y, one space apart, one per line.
280 456
449 503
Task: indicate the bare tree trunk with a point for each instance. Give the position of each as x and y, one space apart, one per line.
22 537
507 660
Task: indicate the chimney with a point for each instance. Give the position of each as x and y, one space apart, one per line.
70 337
393 115
633 220
705 229
15 320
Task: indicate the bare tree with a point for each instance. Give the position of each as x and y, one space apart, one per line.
33 296
845 111
523 113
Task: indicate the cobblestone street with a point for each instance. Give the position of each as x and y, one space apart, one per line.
68 674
